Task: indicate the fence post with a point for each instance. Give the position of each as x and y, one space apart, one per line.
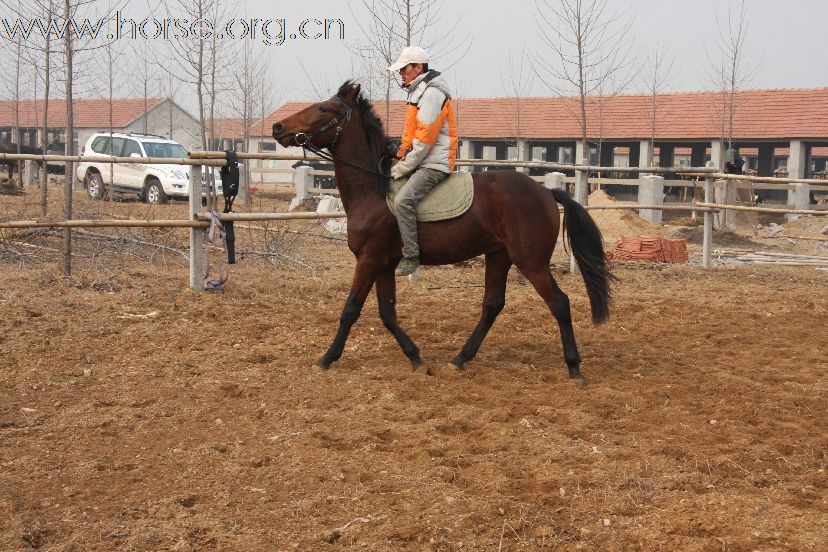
29 174
582 197
799 198
707 242
582 186
554 181
651 192
196 234
720 195
302 182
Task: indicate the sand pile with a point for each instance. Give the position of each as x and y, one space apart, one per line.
615 223
810 226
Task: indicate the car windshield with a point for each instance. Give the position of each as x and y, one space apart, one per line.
165 151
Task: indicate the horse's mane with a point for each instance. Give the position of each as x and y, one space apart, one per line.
378 142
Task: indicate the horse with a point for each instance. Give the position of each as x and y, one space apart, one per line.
12 148
512 221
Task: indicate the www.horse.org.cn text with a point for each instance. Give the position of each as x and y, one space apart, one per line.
268 31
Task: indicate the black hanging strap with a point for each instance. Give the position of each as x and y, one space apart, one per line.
230 189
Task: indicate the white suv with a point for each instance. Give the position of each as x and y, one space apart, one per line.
153 183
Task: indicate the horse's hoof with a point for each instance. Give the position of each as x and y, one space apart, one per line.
578 381
320 366
458 362
449 370
421 368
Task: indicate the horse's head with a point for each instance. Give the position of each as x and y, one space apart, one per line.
321 124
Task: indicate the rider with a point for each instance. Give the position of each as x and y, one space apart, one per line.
429 145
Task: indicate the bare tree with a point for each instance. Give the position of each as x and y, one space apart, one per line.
113 56
395 24
44 137
729 73
252 70
69 46
516 82
190 56
142 54
657 74
16 134
592 52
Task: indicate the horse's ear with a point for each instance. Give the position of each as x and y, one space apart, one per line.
352 94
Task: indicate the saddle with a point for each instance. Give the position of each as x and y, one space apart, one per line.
449 199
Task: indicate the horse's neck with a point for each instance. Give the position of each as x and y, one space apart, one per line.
357 188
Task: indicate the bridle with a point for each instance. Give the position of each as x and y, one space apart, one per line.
305 140
307 137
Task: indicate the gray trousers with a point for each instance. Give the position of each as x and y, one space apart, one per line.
419 184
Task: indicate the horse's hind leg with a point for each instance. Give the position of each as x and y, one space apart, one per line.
494 298
386 298
543 282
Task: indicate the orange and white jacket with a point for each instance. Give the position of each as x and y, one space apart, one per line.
430 136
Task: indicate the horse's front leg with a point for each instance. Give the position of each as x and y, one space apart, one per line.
387 299
364 276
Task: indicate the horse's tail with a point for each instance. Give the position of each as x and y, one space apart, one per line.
588 249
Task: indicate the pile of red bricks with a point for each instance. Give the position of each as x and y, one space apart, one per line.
646 248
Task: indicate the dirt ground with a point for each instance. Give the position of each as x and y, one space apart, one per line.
137 415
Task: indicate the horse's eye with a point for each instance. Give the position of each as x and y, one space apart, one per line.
322 110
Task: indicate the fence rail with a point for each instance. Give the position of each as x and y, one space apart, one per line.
649 187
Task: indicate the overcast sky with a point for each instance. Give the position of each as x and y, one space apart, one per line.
786 47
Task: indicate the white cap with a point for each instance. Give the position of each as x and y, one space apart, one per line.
411 54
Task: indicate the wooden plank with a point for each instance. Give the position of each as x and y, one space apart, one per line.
200 221
763 209
271 170
107 159
329 191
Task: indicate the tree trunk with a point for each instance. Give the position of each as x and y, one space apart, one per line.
44 139
70 146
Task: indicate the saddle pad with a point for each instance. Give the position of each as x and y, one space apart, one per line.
450 198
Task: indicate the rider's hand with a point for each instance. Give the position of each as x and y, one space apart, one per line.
396 171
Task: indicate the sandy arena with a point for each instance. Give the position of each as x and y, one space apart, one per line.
137 415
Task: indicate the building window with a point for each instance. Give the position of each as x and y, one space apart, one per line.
538 154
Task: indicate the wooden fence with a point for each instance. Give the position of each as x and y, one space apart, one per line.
650 188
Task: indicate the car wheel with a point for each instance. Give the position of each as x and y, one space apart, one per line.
154 193
95 186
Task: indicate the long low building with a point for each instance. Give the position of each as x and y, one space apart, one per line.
159 116
688 127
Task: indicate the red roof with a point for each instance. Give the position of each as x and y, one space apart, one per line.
86 113
231 128
760 115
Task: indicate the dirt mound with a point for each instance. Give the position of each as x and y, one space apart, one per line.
615 223
806 226
695 235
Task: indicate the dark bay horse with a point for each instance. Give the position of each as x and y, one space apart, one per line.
12 148
512 220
